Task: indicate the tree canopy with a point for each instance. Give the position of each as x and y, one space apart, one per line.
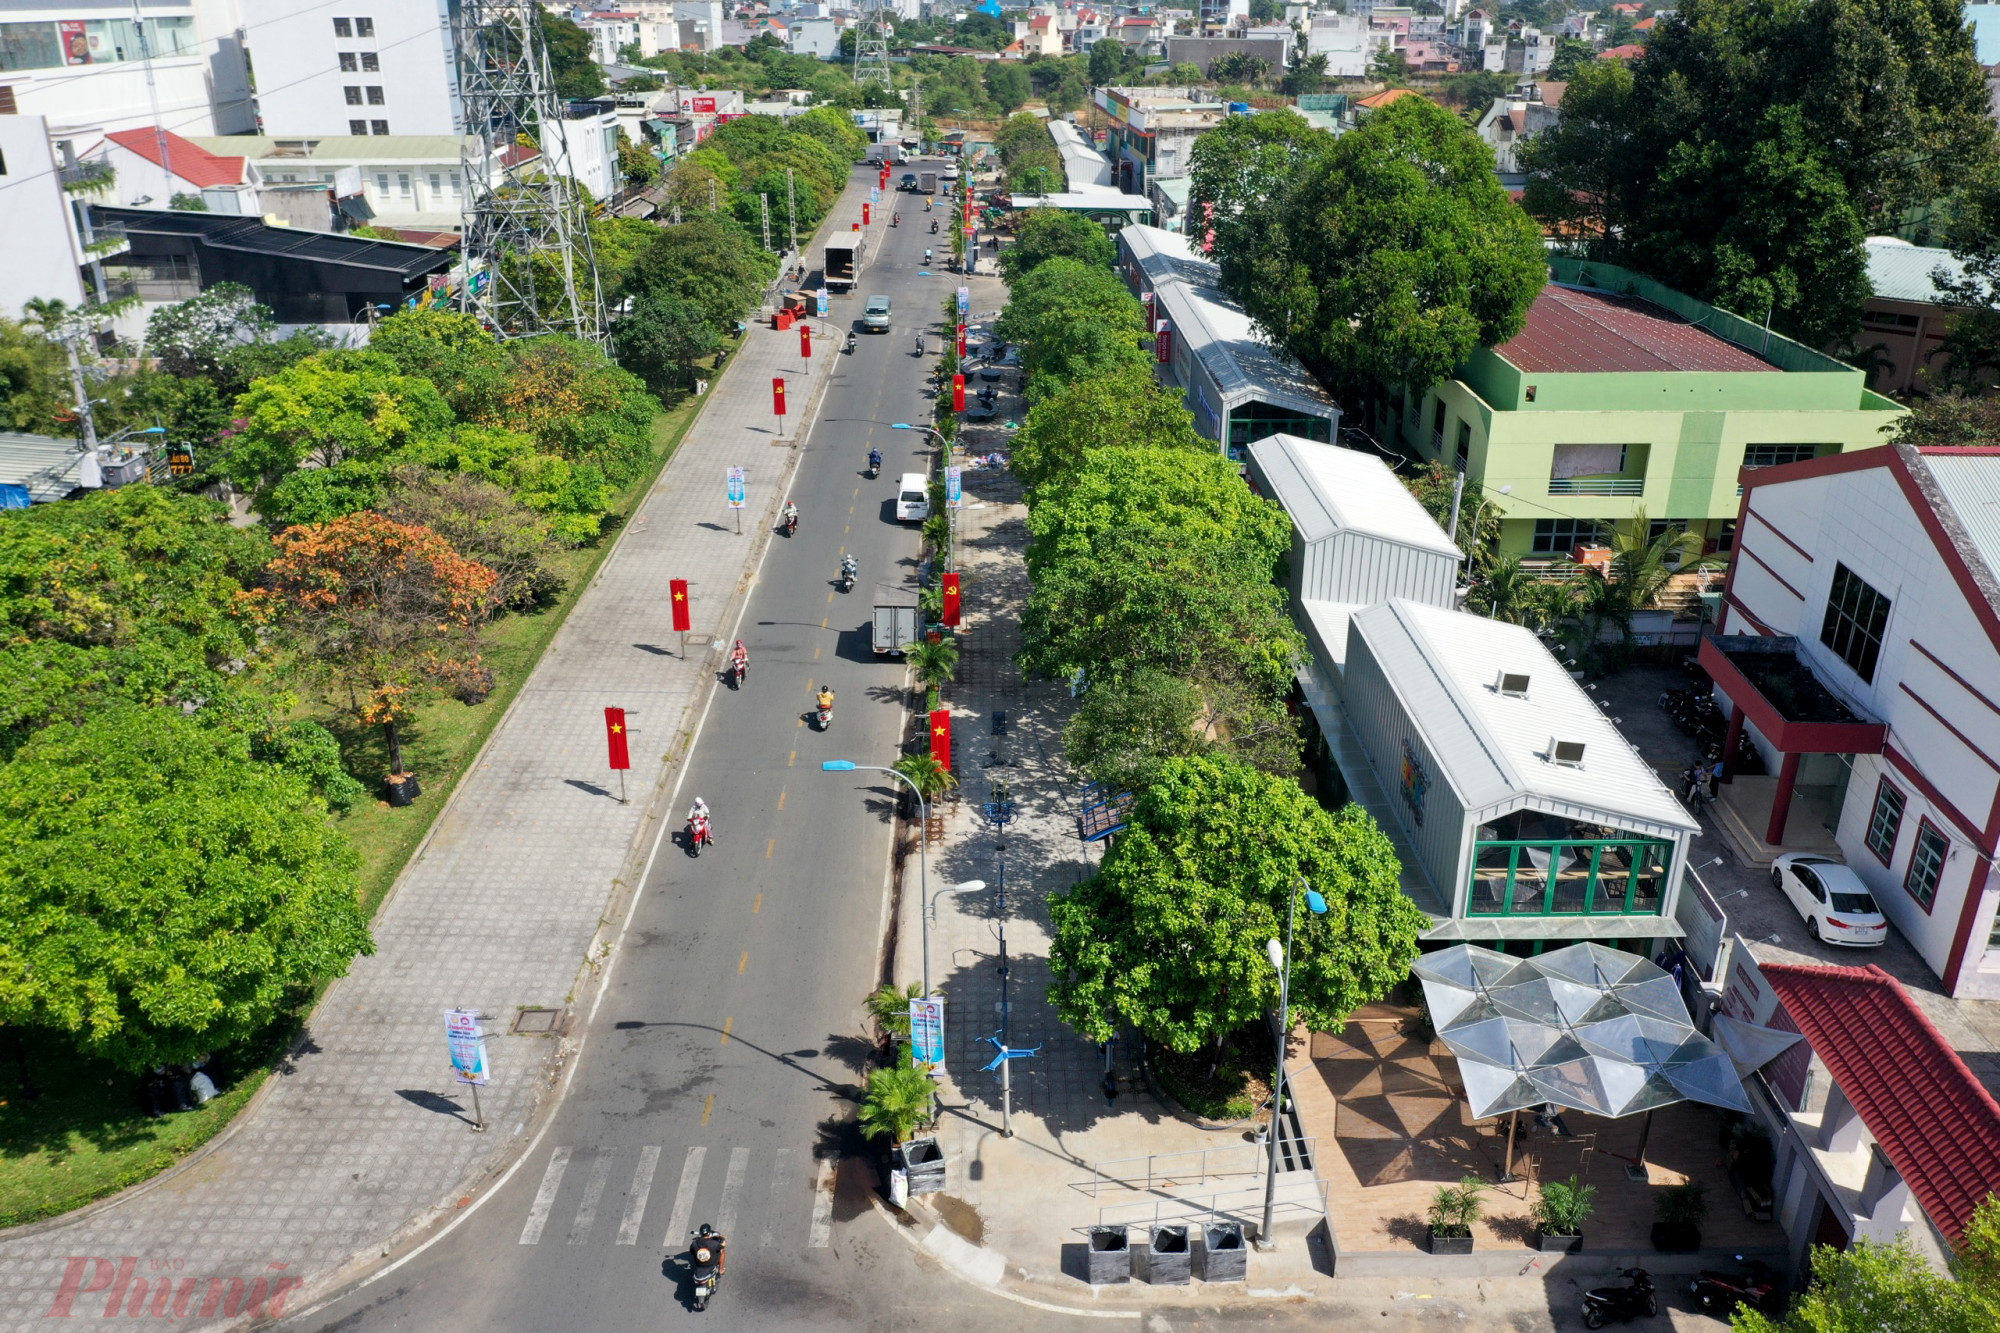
1128 407
1074 321
1050 233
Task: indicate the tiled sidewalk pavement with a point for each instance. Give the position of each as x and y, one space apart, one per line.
364 1137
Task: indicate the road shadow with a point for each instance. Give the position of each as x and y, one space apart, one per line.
589 788
431 1101
715 527
857 645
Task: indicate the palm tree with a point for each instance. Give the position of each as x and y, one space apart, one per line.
1643 564
890 1008
1507 591
934 663
931 778
898 1101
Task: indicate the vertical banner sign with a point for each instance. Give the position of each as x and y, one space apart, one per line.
467 1041
736 501
951 603
964 302
614 735
941 737
961 340
958 393
866 215
806 341
927 1031
1163 341
954 477
778 394
874 194
682 610
822 303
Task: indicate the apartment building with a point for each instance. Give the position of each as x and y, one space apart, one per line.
360 68
91 66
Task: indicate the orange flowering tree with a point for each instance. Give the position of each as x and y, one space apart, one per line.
386 615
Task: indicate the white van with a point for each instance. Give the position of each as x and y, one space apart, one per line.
913 499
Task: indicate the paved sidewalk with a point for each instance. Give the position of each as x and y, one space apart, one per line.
363 1140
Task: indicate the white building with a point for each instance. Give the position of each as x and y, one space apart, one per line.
816 37
408 181
94 65
355 67
1346 41
612 31
1859 643
587 150
43 253
700 23
1528 110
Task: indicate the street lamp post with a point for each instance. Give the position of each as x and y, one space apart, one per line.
1281 959
943 444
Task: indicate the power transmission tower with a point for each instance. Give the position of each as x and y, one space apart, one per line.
529 264
871 52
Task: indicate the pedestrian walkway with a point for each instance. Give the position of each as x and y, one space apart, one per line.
739 1178
362 1140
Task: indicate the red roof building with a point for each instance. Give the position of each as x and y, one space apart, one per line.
1629 51
1577 329
193 165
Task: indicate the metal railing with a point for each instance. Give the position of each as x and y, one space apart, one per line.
1240 1205
1120 1172
86 175
1597 485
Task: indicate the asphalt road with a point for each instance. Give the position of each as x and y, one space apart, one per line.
717 1083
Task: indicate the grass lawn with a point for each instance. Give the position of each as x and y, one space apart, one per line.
86 1134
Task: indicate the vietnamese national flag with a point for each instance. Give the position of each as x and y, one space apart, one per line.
683 620
958 393
951 600
806 341
941 736
614 734
778 394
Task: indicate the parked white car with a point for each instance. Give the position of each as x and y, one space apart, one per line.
1836 905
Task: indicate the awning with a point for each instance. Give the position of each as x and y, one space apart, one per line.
1584 1027
1750 1046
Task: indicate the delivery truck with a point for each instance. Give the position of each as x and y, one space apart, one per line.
897 617
927 180
843 261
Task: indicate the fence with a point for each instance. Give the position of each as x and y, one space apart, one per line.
1159 1173
1244 1205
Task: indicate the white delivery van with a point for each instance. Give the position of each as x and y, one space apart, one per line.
913 499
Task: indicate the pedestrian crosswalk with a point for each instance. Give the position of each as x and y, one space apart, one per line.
759 1185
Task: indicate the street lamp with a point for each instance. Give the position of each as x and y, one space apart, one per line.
1281 959
926 903
904 425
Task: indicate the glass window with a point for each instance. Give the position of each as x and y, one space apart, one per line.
1464 444
371 62
171 37
364 27
382 186
1559 536
1926 864
1773 455
1885 823
1614 879
357 127
1649 877
375 97
437 187
1856 615
403 184
348 63
379 126
1725 536
1544 878
343 28
29 46
1493 867
353 91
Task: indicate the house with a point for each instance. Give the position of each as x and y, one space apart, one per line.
611 31
1858 647
1083 166
1347 42
1239 388
413 181
1629 51
1039 35
1529 52
1878 1130
1361 107
1620 395
816 37
1904 320
151 166
1153 130
1528 110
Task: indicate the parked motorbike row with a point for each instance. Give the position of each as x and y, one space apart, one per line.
1698 717
1718 1293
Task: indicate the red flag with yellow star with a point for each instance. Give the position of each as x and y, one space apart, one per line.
951 600
683 613
941 736
614 733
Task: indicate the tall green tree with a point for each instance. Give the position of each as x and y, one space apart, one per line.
577 74
1201 496
1239 175
1170 935
1048 233
1006 85
709 263
1074 321
1126 408
662 339
328 409
165 894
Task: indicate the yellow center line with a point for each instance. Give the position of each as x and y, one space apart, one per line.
829 596
727 1024
793 760
770 847
822 625
816 648
742 962
845 529
857 491
781 798
757 906
708 1108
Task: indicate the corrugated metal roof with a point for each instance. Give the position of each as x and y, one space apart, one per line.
356 147
1578 329
1326 630
1965 491
1083 166
1494 748
1899 271
1327 489
46 466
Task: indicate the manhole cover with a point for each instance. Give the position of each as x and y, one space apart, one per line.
700 640
537 1022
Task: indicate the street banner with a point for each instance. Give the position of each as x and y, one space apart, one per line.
951 603
614 735
778 394
941 737
806 341
927 1031
964 301
958 393
874 194
467 1041
961 341
736 489
1163 341
822 303
866 215
683 618
954 478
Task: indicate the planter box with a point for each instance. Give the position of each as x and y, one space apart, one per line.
1222 1255
1674 1238
924 1161
1548 1244
1450 1244
1110 1256
1168 1259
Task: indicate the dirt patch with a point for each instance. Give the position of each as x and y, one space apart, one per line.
960 1216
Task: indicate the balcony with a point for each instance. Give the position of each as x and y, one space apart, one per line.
1627 486
107 240
87 177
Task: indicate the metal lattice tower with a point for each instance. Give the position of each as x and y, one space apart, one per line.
527 246
871 51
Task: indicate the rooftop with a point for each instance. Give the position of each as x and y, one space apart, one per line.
1899 271
1963 486
1587 331
254 236
1378 100
1937 1126
1329 490
1494 749
185 158
345 147
1083 165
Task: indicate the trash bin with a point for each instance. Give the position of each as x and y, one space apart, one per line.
1168 1262
924 1161
1223 1255
1110 1257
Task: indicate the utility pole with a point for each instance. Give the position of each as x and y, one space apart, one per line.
86 421
764 201
792 207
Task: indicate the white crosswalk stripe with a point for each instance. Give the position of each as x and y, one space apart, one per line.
732 1190
677 1223
635 1197
593 1191
545 1197
822 1223
781 1162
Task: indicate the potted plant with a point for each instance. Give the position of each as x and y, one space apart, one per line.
1678 1211
1560 1212
1454 1208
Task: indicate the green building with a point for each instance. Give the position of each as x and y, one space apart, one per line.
1618 395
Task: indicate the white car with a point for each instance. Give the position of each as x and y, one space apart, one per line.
1836 905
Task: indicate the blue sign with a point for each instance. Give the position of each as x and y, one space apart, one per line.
927 1031
736 495
468 1046
874 194
822 303
964 301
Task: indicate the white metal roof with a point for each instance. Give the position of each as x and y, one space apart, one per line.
1083 165
1970 486
46 466
1326 630
1495 749
1899 271
1216 330
1327 490
1105 198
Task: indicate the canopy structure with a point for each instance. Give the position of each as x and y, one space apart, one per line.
1584 1027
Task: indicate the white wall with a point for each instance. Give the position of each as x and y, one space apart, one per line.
301 89
1343 40
41 253
816 37
106 87
591 156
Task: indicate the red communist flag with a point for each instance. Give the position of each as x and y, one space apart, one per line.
941 736
614 734
951 600
778 394
958 393
683 620
865 218
806 341
961 340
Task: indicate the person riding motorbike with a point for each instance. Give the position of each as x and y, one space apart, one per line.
849 568
920 344
933 226
895 219
739 657
850 340
825 706
707 1255
927 254
791 518
874 461
927 205
699 810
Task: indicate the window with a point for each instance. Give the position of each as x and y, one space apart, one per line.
379 126
1559 536
348 63
353 92
1725 536
371 62
1884 319
403 184
357 127
437 183
382 183
1885 823
1856 615
375 97
1464 444
364 27
343 28
1774 455
1926 864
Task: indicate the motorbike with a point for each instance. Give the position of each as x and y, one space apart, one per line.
1637 1297
705 1261
927 258
850 341
920 344
848 570
739 667
933 226
699 834
826 712
1720 1293
790 522
874 463
895 219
